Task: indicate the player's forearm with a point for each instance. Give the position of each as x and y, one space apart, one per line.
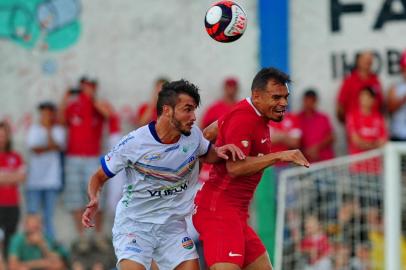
251 165
96 183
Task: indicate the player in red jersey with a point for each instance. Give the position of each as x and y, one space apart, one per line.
222 204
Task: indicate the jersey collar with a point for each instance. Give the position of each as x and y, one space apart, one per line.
248 99
152 129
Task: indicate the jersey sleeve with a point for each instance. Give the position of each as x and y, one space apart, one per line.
204 145
239 130
119 156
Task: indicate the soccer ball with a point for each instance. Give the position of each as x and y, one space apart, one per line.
225 21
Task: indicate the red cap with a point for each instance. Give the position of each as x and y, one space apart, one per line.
231 81
403 60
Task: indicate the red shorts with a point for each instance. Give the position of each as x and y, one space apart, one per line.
226 237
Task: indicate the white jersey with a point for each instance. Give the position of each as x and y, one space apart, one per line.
160 178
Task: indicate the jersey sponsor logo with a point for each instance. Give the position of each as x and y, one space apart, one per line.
169 191
187 243
152 157
245 143
231 254
171 148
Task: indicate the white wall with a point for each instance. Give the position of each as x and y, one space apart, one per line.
126 44
313 45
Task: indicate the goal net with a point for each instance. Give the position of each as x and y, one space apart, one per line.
344 213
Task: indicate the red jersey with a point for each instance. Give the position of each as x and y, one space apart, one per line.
85 127
348 96
215 111
246 128
9 194
370 128
312 135
289 125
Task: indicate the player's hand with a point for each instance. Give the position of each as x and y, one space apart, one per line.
90 212
224 151
294 156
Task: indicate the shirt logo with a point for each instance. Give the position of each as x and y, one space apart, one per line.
231 254
244 143
155 156
264 140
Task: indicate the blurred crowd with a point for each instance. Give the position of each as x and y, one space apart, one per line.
67 140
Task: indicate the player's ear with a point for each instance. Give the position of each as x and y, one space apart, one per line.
167 110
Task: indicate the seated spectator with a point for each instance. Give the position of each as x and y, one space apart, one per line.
342 257
396 104
31 249
317 132
45 140
361 261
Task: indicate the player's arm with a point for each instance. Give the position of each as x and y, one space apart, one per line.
252 165
93 190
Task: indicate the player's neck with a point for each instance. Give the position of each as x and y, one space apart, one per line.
165 132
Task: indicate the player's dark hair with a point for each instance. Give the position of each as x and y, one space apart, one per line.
171 91
9 144
266 74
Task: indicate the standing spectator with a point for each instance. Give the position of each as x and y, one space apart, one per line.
217 109
317 132
223 105
361 77
84 115
146 112
12 173
366 127
45 141
396 104
31 249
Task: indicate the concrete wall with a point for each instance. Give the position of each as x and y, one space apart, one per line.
125 44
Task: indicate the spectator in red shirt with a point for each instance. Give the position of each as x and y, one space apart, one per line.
83 115
361 77
12 174
223 105
317 132
217 109
146 112
366 129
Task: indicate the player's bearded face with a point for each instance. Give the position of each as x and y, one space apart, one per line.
180 125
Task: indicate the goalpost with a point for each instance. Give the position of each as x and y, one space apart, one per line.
344 212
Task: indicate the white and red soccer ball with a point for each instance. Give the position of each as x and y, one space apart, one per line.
225 21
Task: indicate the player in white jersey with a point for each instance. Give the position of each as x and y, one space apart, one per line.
161 165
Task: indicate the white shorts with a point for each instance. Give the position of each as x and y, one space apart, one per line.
168 244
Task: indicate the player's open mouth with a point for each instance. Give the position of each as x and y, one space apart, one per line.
280 112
